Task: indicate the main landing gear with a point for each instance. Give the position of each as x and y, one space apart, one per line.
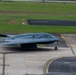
29 46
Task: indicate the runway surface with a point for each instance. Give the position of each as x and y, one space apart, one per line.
52 22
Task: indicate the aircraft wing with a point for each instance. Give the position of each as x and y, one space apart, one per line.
27 41
6 35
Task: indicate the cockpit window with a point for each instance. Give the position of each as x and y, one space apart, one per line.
37 35
47 35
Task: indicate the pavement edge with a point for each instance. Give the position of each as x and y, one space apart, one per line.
47 64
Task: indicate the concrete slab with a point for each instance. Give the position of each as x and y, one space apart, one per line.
32 62
74 48
16 64
1 63
71 39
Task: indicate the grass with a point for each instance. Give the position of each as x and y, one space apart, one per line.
49 11
38 7
14 29
20 17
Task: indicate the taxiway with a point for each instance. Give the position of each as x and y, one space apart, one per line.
14 61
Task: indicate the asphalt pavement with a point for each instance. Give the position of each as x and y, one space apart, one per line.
63 66
52 22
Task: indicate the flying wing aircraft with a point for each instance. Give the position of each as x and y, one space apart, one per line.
29 40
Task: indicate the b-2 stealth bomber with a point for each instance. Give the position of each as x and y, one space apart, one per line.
30 40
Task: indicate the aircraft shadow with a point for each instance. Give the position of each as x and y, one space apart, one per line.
18 49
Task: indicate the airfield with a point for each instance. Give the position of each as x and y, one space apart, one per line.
14 61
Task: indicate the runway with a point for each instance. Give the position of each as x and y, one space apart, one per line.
52 22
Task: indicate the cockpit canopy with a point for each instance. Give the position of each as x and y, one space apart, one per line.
35 35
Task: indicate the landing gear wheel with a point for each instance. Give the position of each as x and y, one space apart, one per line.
56 48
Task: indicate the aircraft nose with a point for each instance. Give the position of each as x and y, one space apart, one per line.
7 40
57 39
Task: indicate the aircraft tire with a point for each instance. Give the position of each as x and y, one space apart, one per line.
56 48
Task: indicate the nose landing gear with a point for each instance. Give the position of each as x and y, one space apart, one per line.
56 47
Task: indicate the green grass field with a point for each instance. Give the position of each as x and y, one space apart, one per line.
38 7
25 29
12 14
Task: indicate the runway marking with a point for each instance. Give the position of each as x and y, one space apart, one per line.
68 44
